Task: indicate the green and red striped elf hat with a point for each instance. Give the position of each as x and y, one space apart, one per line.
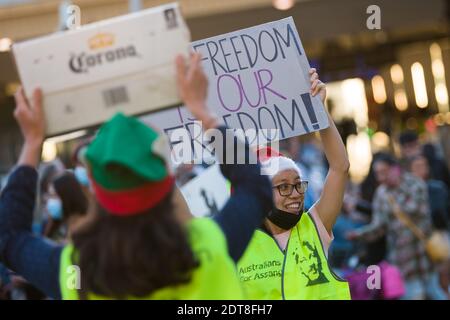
128 165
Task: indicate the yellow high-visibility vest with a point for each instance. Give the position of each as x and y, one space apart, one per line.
215 278
300 272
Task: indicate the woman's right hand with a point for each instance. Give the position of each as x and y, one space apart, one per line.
193 89
30 116
31 119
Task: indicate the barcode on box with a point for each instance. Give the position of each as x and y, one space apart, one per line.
115 96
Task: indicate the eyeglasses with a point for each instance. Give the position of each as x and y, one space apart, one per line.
286 189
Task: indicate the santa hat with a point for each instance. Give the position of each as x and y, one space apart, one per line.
128 166
274 162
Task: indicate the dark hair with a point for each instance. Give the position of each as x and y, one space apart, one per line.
368 188
133 256
407 137
79 147
429 152
71 194
369 184
386 158
48 174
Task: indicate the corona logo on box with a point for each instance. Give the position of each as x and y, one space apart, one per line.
81 63
101 40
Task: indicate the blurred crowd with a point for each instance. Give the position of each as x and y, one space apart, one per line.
62 203
367 233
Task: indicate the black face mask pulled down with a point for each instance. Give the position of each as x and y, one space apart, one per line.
283 219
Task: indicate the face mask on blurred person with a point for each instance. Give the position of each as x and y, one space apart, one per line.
82 176
54 208
283 219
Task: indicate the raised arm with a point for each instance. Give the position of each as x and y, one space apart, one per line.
251 200
36 259
32 124
330 202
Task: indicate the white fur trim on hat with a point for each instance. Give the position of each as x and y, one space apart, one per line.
274 165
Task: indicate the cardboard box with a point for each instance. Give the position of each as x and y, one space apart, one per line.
121 64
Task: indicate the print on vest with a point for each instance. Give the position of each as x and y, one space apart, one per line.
310 264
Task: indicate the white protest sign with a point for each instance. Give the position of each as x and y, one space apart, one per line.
121 64
258 79
207 193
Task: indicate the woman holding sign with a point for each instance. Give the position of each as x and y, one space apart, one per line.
287 256
141 241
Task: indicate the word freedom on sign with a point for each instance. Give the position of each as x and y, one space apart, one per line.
246 49
197 146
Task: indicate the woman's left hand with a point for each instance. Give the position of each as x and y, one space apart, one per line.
317 86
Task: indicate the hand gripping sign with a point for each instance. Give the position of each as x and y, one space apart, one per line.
121 64
258 79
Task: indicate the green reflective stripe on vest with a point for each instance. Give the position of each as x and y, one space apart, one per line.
215 278
228 184
302 273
